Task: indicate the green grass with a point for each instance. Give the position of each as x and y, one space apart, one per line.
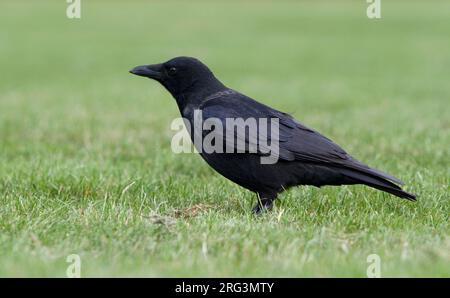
86 165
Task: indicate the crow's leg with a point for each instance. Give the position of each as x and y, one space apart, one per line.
265 203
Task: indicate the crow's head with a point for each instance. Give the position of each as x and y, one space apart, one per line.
180 75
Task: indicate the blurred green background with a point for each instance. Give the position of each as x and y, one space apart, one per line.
86 165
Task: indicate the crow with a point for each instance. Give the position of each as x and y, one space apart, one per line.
303 157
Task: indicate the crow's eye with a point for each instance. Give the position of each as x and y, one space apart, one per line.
172 71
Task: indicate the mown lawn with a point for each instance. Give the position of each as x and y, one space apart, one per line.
85 160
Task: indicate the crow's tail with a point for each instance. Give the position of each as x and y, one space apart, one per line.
378 180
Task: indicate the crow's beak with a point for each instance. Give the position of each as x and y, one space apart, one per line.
153 71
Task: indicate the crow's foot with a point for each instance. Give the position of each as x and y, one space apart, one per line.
262 206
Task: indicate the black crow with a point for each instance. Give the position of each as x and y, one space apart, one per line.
303 157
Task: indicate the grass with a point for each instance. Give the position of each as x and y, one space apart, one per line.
86 165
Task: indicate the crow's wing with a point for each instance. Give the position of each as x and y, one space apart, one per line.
296 141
